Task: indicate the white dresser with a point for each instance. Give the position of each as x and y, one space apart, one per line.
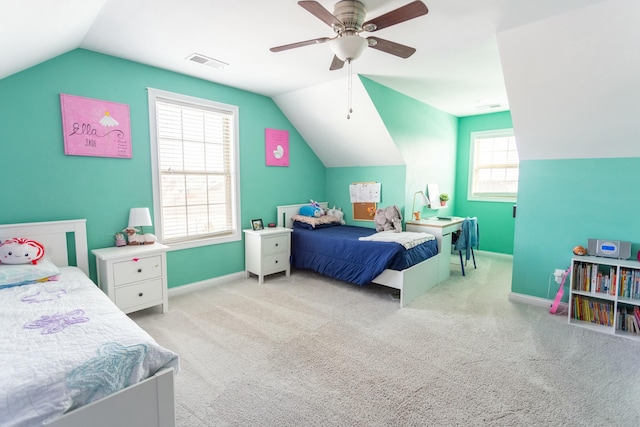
134 277
267 251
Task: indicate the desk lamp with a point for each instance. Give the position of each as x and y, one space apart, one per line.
423 202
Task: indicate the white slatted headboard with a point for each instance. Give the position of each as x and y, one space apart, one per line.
53 235
285 213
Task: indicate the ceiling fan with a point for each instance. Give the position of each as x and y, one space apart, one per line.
348 21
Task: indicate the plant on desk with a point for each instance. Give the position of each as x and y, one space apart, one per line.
444 197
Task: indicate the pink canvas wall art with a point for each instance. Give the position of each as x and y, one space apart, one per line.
277 147
93 127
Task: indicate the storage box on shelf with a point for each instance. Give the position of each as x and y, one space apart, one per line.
605 295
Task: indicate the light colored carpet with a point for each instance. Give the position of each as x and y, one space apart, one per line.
309 351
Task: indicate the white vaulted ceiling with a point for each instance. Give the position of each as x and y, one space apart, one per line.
456 68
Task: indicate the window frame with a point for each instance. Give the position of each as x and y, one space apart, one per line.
236 233
488 197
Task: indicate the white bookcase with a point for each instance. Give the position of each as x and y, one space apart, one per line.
605 295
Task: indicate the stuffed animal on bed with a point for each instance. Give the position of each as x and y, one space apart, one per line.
312 209
388 219
20 251
337 213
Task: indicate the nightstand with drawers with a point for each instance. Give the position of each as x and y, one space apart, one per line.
267 251
134 277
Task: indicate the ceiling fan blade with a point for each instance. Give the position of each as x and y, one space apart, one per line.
393 48
401 14
336 64
299 44
317 10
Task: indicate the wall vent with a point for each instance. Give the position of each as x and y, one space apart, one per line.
488 106
205 60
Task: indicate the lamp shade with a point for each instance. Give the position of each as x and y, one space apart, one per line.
139 217
348 47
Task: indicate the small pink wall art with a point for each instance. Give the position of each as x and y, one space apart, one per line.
93 127
277 147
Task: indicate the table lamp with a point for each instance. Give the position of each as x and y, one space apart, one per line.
139 217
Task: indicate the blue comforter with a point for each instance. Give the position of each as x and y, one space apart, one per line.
336 252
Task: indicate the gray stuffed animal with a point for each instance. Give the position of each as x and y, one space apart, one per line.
388 219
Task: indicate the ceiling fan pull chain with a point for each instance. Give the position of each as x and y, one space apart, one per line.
349 91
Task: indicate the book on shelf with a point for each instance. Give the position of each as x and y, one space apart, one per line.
628 319
591 310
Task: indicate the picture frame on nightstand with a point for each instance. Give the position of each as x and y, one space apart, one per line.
256 224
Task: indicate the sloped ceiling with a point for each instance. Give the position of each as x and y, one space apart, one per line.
575 90
456 67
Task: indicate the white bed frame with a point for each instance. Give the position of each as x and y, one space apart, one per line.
149 403
412 282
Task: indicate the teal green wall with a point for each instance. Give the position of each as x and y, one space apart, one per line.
561 204
426 139
391 178
495 219
40 183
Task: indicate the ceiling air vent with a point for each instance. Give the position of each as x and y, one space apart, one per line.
205 60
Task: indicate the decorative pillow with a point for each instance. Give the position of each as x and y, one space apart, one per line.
20 251
325 220
22 274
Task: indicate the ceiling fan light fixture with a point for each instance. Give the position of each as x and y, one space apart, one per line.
348 47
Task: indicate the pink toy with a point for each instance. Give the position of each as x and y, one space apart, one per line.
20 251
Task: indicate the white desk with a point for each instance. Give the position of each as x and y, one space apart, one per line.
442 229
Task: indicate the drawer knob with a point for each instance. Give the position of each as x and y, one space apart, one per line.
139 270
277 244
276 261
140 294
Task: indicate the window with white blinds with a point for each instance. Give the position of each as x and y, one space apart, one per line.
494 166
195 169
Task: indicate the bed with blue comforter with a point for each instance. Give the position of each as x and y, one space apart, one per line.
339 251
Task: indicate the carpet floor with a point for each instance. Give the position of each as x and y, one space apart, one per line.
306 350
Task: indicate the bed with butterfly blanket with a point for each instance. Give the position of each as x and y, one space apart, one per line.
69 356
359 255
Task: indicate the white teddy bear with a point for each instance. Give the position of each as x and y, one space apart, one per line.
337 213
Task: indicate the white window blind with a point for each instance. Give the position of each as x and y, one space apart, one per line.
196 146
494 166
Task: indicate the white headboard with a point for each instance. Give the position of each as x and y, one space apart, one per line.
53 235
287 211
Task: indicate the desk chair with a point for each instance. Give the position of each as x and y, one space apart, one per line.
466 239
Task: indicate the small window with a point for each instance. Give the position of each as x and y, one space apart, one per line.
194 146
494 166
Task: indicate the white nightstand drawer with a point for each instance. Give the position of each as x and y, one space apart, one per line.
275 263
133 271
275 244
138 294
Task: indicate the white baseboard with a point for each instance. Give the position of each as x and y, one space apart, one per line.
535 301
204 284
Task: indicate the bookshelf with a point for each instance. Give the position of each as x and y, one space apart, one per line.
605 295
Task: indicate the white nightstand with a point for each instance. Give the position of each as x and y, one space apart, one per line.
135 276
267 251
